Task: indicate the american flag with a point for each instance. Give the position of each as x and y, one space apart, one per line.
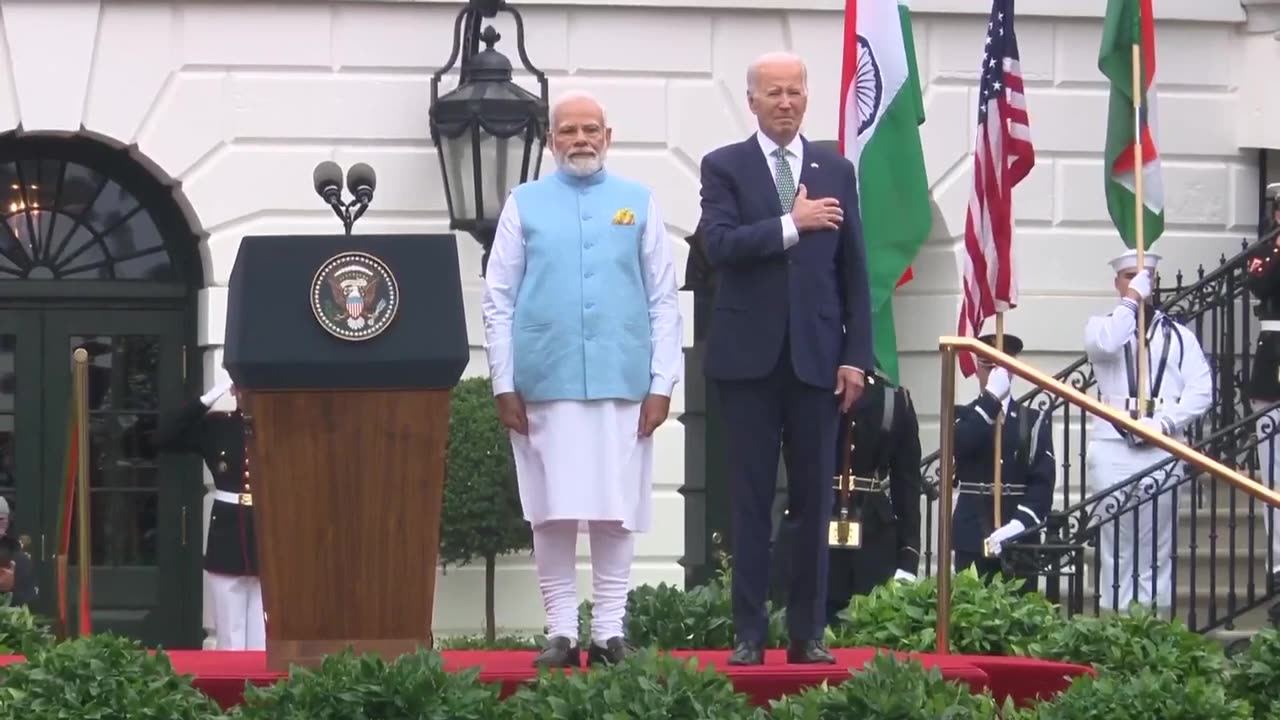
1001 159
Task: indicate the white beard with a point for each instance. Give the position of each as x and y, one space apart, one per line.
582 165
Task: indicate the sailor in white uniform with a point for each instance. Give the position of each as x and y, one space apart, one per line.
583 333
1179 390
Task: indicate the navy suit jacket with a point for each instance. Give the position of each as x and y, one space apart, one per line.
816 292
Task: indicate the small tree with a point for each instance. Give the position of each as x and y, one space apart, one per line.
482 517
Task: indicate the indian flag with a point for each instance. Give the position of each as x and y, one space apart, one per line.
880 122
1130 23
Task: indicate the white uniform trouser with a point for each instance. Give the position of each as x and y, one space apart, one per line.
1269 474
555 549
238 621
1142 549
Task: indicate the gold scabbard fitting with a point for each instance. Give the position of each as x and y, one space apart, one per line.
845 533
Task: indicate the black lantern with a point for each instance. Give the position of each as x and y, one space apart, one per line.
488 131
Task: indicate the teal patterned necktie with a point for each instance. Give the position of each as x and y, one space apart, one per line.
784 180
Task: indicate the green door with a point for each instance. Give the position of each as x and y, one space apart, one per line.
144 506
20 441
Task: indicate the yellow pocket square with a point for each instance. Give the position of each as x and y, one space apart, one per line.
624 217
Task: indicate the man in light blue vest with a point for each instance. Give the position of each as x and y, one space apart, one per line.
583 336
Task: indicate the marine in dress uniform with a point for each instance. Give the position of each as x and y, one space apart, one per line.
230 557
883 435
1027 476
1179 390
582 331
1263 282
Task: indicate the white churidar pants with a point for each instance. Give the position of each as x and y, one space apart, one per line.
1130 551
584 467
1269 475
555 547
238 622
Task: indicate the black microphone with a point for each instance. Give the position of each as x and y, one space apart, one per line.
327 178
361 181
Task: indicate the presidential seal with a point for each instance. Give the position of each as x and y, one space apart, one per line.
354 296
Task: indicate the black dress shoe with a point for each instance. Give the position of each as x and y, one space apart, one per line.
560 652
809 652
747 653
614 651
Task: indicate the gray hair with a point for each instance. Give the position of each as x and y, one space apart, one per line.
571 95
753 70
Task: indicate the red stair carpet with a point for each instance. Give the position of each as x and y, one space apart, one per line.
222 674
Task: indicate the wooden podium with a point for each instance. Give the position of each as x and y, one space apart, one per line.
343 350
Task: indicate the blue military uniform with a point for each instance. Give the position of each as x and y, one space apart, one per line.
1027 478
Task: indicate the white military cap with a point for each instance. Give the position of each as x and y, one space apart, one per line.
1129 261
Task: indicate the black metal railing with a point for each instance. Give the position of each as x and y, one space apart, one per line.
1222 554
1207 538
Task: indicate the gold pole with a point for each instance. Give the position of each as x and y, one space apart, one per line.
946 451
997 486
1138 240
80 385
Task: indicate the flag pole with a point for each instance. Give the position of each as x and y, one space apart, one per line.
1139 240
1000 431
997 488
84 559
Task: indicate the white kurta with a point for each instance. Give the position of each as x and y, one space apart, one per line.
1186 391
583 460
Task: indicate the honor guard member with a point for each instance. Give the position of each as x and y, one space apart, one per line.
1027 475
230 557
880 456
1264 377
1179 390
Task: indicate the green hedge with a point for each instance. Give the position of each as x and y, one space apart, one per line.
1148 669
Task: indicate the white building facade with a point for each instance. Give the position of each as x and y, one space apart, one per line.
230 106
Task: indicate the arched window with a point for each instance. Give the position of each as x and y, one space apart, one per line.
74 209
65 220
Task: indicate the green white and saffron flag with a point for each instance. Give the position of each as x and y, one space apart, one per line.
880 122
1129 23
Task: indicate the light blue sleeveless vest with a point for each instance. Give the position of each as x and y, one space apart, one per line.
581 325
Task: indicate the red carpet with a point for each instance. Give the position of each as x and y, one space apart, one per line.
222 675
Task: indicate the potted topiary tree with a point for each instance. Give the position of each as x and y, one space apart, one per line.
482 518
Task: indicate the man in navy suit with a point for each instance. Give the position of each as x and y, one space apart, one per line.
789 345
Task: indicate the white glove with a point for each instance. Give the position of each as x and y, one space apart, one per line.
998 383
1141 284
1152 424
903 575
211 397
1011 528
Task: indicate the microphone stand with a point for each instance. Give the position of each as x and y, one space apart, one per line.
348 213
359 206
343 213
